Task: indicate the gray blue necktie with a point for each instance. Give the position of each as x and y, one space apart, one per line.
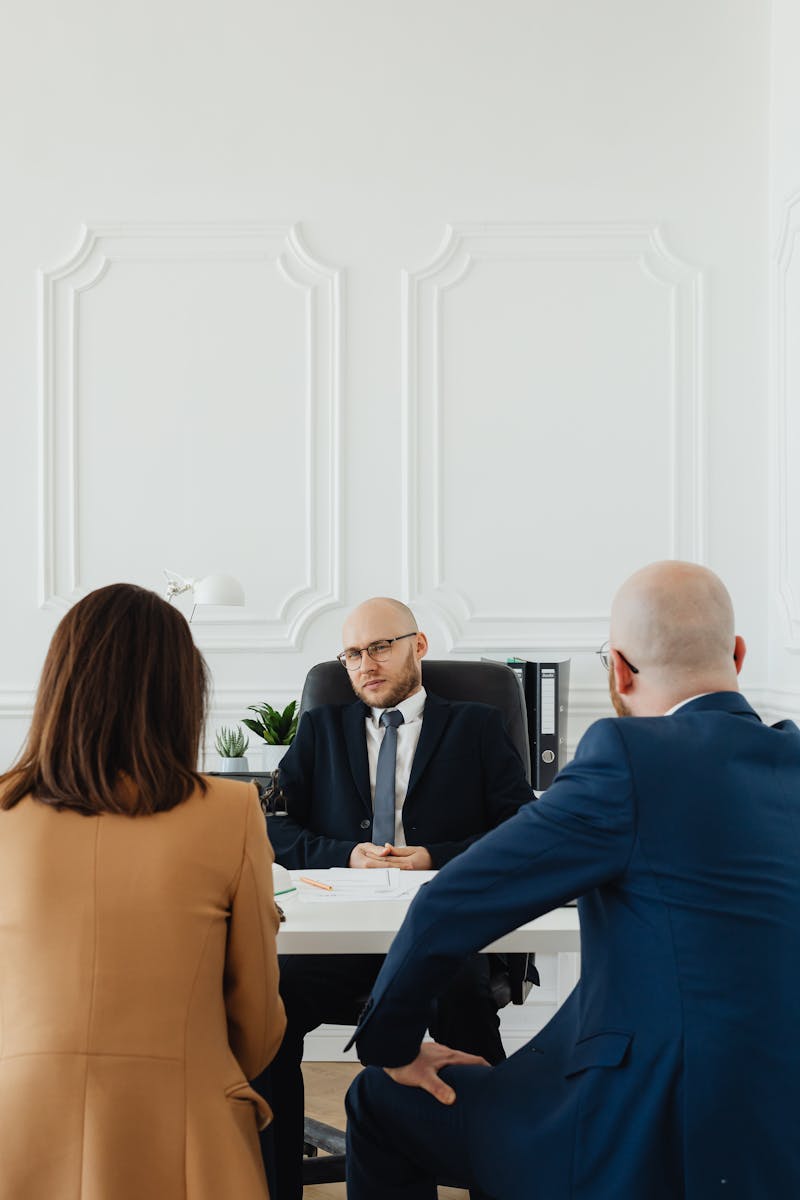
383 804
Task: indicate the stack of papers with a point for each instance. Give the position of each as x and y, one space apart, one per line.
379 883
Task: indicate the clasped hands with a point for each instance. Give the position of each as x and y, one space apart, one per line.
406 858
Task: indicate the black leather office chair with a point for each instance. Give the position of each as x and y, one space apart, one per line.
513 974
488 682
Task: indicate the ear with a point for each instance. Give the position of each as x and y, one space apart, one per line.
422 645
739 651
623 675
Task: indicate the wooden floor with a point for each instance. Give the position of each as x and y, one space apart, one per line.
326 1084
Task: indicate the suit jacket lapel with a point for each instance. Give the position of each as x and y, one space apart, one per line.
434 721
355 738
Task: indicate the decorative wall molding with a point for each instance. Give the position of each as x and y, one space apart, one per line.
775 703
586 704
61 292
16 709
424 293
16 704
786 340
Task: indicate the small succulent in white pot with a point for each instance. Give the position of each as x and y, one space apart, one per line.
231 745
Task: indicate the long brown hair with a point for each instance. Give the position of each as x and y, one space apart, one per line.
119 712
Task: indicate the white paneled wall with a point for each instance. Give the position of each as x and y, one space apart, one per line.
460 302
518 336
784 600
462 306
171 355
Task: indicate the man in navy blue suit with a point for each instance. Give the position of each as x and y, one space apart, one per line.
399 778
673 1069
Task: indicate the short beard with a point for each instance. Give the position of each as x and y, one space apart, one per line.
408 682
620 707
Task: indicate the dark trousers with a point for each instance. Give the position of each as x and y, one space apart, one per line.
400 1140
320 989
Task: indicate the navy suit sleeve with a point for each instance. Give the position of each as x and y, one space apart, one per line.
295 845
577 836
505 787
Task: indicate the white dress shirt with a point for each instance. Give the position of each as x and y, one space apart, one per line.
407 738
681 703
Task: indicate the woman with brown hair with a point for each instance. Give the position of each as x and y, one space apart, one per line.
138 972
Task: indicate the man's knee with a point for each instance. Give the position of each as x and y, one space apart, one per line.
367 1095
359 1091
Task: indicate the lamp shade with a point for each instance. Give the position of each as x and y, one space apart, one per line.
218 589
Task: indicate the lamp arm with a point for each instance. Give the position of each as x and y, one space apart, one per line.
176 585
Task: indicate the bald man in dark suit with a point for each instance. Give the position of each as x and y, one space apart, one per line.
455 775
673 1069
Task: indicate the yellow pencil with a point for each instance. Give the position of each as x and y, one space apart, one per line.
326 887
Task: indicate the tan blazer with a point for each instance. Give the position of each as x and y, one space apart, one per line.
138 994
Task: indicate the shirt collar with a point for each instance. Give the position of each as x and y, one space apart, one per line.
411 708
681 703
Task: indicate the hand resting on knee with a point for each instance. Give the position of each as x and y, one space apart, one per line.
423 1072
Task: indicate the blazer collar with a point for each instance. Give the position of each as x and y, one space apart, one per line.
732 702
355 739
434 721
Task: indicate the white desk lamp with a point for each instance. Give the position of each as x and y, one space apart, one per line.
211 589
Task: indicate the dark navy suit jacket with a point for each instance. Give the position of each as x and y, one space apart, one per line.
466 778
673 1070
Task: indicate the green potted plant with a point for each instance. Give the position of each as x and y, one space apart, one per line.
275 727
231 745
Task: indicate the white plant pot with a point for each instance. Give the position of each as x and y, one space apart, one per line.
272 756
234 765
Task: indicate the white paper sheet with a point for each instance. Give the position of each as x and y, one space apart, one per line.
380 883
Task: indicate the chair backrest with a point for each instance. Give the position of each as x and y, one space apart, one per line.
452 679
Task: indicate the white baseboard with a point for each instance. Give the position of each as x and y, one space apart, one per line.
327 1044
517 1027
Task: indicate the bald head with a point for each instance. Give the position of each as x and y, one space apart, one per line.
674 621
380 609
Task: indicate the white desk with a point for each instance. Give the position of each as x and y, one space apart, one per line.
350 927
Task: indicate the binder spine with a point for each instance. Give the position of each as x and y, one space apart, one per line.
545 688
546 685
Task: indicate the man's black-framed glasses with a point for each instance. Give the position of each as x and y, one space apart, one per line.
605 658
377 651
